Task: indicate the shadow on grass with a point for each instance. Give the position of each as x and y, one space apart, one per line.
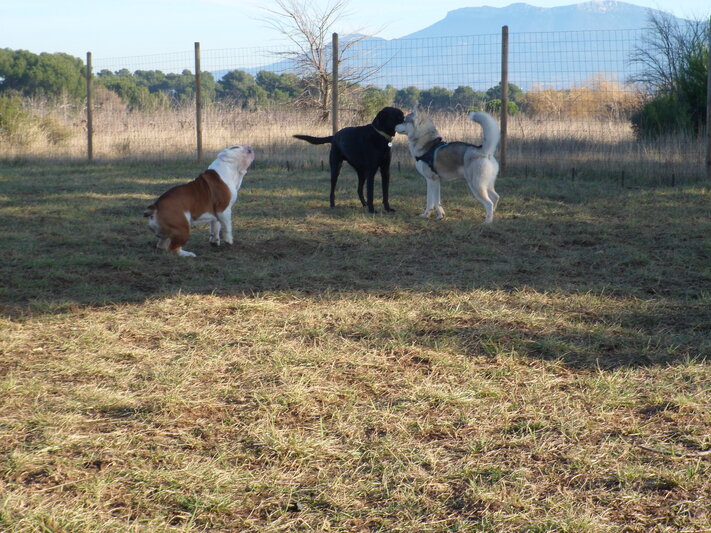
77 238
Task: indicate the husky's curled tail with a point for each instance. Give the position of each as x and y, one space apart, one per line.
491 130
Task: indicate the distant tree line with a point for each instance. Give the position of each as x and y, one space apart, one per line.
143 90
26 74
30 75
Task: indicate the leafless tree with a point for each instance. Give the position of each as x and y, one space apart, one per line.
666 46
310 27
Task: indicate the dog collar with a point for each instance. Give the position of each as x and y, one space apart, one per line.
387 137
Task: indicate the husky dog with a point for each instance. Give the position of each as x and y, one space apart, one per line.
438 161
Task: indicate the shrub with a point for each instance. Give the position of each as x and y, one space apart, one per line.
662 115
598 98
19 127
674 60
15 122
372 100
692 85
56 132
494 107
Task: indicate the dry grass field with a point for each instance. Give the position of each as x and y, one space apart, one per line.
598 145
340 371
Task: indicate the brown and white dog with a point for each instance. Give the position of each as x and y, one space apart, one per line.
208 199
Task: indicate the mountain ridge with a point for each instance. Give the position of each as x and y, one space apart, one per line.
523 17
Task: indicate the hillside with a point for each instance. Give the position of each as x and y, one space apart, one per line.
555 47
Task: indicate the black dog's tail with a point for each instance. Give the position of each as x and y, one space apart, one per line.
315 140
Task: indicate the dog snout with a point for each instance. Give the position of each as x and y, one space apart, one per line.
245 148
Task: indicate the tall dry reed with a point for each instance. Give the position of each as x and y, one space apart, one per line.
598 143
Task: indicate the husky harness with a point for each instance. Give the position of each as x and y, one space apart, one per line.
429 156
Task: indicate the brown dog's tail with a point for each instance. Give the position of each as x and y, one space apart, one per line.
315 140
149 210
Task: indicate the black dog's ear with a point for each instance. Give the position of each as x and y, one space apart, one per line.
387 118
378 120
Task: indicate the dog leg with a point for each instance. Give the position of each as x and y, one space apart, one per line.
481 194
370 185
175 245
225 220
215 232
361 184
428 203
385 177
437 199
494 197
335 161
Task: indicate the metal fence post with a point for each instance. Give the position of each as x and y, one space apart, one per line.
334 81
198 102
89 112
504 95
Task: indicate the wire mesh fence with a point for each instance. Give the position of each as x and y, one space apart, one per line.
573 103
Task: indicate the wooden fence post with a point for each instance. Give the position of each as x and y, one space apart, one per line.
89 112
198 102
504 96
334 81
708 107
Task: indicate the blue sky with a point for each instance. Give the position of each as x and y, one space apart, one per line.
122 28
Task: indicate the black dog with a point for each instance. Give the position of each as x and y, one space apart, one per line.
367 149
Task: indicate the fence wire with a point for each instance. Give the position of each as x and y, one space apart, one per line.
573 109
